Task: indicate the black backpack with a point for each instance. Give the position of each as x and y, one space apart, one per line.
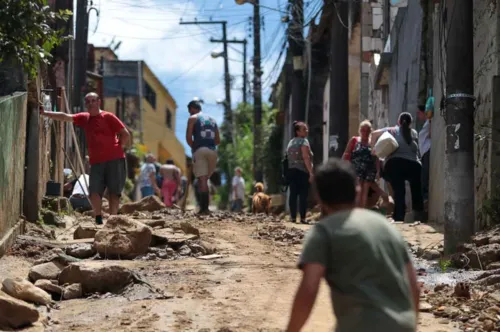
284 173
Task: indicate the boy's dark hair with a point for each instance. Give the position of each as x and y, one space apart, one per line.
335 182
170 162
194 104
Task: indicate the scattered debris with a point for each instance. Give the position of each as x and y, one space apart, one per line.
279 233
15 313
122 238
209 257
52 218
189 229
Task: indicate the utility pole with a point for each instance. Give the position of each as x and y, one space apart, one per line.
80 60
244 42
339 82
257 91
296 42
228 116
459 188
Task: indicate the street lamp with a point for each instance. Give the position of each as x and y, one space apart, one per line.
216 55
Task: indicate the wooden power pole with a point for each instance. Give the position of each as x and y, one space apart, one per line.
339 81
459 118
296 42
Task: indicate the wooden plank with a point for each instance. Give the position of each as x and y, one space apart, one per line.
54 243
209 257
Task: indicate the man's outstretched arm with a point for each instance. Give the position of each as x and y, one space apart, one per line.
306 296
58 116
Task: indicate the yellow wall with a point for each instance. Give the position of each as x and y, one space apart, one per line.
161 140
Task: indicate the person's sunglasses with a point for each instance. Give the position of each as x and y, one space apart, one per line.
90 101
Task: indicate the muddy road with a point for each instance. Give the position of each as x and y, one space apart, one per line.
249 286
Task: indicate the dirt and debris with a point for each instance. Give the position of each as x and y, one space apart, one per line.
482 253
279 233
474 308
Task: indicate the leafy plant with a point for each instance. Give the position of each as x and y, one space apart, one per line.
239 152
26 34
444 265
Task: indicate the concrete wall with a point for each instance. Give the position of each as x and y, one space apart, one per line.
12 154
486 66
405 65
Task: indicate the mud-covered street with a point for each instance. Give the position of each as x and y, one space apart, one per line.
226 272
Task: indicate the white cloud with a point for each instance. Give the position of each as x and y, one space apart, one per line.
149 30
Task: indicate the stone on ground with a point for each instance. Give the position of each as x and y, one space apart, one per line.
15 313
24 290
122 238
86 230
52 218
73 291
48 270
189 229
96 277
49 286
81 250
150 204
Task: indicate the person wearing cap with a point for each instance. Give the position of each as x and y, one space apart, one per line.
106 138
202 135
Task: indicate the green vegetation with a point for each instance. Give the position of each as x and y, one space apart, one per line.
25 32
444 265
239 153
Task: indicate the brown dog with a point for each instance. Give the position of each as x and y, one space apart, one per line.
261 203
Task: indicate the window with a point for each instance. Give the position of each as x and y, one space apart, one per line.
169 119
150 95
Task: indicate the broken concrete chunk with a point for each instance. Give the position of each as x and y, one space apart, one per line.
96 277
86 230
431 254
81 250
49 286
48 270
73 291
150 204
168 235
16 314
123 238
197 248
189 229
24 290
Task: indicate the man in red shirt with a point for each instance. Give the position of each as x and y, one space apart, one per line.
106 136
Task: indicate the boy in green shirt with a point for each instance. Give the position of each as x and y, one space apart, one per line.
363 258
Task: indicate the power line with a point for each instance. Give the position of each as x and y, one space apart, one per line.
189 69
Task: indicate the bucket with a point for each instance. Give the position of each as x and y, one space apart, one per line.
53 189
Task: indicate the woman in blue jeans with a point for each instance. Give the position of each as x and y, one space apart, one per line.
403 165
300 170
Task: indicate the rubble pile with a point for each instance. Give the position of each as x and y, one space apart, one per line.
279 233
474 308
483 253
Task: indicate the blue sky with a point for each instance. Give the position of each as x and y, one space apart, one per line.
179 55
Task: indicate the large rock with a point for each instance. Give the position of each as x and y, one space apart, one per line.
123 238
86 230
96 277
150 204
81 250
24 290
189 229
48 271
15 314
